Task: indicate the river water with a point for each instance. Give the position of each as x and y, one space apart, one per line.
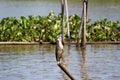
34 62
97 8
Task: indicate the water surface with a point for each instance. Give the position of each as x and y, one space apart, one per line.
97 8
34 62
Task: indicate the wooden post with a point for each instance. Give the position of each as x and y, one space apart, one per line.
80 29
62 22
67 19
62 66
83 41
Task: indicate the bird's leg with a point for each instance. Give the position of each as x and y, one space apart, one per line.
61 59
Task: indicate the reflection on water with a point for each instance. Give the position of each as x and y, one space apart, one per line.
34 62
83 65
82 56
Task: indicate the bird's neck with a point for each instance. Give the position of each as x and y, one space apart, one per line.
60 44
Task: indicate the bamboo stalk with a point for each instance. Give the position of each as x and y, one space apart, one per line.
80 29
83 41
67 19
62 22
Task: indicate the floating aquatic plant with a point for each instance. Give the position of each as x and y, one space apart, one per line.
46 28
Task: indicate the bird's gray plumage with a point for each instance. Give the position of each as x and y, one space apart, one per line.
59 48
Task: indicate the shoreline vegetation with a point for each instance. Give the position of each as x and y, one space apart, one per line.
44 29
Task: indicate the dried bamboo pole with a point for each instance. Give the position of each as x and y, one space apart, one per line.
83 41
62 66
67 19
62 22
80 29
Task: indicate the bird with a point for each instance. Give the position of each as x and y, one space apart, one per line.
59 49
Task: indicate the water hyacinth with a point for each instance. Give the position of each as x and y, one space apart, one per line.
46 28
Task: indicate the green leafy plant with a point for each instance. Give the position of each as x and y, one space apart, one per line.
46 28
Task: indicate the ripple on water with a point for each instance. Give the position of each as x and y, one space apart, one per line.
97 64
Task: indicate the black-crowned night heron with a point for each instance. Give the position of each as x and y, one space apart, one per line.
59 48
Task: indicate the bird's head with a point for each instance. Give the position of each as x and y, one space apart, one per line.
59 38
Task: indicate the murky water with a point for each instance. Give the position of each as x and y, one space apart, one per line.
34 62
97 8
